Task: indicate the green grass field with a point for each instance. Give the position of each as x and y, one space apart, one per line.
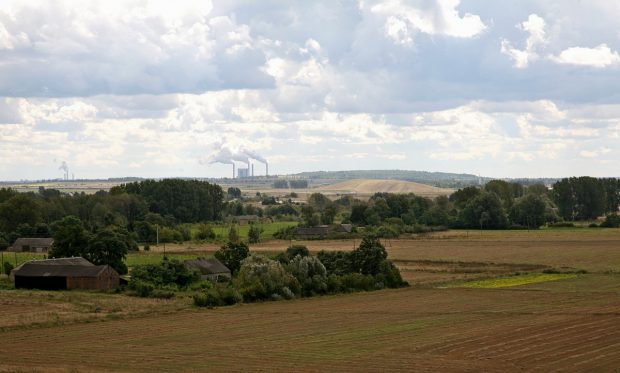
504 282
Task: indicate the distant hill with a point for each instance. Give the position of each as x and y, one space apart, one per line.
438 179
371 186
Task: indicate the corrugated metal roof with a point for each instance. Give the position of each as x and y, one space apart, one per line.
209 266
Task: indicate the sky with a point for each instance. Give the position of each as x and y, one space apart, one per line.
511 88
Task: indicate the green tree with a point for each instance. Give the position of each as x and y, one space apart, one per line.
367 258
19 209
529 211
110 246
232 254
254 234
70 238
484 212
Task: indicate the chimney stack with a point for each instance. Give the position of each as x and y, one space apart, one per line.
266 169
252 169
233 170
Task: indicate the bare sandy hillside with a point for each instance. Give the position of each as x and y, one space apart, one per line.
370 186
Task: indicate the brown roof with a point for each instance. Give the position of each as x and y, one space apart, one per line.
74 261
58 270
33 242
205 266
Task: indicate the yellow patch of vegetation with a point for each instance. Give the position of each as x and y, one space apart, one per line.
505 282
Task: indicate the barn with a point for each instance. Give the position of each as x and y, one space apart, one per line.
209 269
320 231
37 245
65 273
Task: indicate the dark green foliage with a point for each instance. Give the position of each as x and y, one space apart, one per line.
110 246
529 211
168 272
232 254
292 252
336 262
19 209
70 238
484 212
254 234
269 200
585 198
367 258
217 296
389 275
234 192
8 267
310 273
461 197
185 200
205 232
611 221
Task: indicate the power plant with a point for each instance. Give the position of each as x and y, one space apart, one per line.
225 155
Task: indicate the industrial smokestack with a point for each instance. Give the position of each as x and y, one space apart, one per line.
266 169
252 169
233 163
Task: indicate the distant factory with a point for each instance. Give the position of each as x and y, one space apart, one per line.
224 154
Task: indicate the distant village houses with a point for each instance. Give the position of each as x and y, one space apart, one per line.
35 245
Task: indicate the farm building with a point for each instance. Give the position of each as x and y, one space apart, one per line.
247 219
64 273
312 232
210 269
343 228
37 245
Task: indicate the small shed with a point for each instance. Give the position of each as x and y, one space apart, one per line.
65 273
320 231
35 245
210 269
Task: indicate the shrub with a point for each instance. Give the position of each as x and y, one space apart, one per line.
141 288
168 272
259 278
205 232
356 281
292 252
285 233
594 225
217 296
611 221
336 262
310 273
232 254
562 224
254 234
147 248
367 258
8 267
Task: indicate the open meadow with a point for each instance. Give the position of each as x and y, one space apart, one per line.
502 301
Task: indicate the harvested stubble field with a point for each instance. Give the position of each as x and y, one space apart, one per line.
569 323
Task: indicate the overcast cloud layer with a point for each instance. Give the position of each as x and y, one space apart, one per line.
156 88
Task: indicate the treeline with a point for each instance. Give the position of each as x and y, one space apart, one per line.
291 274
295 184
137 207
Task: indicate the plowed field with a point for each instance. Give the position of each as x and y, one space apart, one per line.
435 330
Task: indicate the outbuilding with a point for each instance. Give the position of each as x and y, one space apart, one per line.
35 245
65 273
320 231
209 269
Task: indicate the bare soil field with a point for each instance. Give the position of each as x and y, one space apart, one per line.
414 329
565 325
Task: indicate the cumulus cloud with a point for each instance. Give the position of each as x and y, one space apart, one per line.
600 56
403 21
535 27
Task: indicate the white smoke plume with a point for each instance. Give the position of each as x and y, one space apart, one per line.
224 154
64 167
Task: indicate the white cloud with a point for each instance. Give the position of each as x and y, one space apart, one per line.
403 21
600 56
535 27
